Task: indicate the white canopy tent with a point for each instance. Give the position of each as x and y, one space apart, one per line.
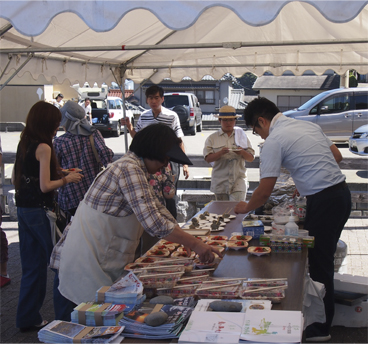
84 40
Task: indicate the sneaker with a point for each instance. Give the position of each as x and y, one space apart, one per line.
4 280
318 339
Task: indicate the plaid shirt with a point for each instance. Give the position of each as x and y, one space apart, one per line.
76 151
122 190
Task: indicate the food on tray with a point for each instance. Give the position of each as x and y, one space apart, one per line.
221 243
146 260
134 266
241 237
217 237
158 253
171 248
182 253
162 280
166 242
237 245
259 250
256 293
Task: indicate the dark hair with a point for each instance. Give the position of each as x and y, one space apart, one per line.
59 95
86 99
152 90
259 107
154 141
42 121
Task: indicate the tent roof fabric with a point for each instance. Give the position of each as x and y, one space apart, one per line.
103 41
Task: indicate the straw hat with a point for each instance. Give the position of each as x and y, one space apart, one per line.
227 112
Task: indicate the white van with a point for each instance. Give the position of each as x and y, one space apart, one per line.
107 112
338 112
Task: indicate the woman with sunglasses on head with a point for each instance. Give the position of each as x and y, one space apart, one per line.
36 175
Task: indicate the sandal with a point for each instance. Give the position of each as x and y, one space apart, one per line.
34 327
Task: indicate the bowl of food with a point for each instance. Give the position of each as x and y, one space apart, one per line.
259 250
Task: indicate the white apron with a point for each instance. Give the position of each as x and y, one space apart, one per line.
96 249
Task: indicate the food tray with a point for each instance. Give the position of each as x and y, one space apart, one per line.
182 254
217 237
171 248
259 250
199 272
178 291
218 291
136 266
240 237
198 264
164 280
274 295
192 279
216 243
158 253
160 269
265 282
187 262
166 242
237 245
148 260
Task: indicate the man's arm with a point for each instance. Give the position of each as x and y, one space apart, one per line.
259 197
129 126
185 167
336 153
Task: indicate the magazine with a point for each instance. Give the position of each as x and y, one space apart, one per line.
66 332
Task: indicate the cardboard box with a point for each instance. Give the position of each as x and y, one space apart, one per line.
351 316
270 239
253 225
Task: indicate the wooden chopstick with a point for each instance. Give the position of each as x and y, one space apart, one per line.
262 289
221 286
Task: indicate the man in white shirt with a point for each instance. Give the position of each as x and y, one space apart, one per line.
87 109
312 160
227 150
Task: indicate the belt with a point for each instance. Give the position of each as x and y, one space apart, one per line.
332 188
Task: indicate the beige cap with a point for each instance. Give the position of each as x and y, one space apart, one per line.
227 111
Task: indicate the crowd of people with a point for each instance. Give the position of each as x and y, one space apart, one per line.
120 212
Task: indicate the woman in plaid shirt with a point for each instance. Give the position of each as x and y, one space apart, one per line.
118 207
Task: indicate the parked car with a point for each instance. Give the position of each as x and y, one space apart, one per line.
106 111
187 106
338 112
358 142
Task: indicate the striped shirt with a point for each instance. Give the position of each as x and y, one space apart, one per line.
76 151
166 116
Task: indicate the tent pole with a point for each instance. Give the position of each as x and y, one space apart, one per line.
7 65
121 85
16 72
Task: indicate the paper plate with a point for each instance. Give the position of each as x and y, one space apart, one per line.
233 245
263 250
240 237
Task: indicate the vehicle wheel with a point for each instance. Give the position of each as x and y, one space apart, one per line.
118 130
193 130
199 127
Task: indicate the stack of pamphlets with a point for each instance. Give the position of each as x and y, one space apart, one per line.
98 314
128 291
66 332
136 328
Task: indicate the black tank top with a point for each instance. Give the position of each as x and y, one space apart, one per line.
29 194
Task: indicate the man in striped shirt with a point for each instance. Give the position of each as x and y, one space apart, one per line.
159 114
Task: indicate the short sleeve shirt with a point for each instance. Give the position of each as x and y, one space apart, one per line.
304 150
229 172
166 116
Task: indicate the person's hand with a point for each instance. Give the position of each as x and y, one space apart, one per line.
240 208
186 171
205 252
296 193
126 121
224 150
74 177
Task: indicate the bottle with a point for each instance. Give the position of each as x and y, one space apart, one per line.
291 228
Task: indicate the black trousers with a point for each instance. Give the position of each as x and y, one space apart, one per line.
327 213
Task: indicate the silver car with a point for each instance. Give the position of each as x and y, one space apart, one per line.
338 112
358 142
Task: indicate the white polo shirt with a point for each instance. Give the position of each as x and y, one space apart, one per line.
304 150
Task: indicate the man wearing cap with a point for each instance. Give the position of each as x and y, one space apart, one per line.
119 206
227 150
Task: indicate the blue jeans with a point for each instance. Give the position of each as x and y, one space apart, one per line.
35 249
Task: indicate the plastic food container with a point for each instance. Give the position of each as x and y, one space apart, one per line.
256 293
163 280
193 279
199 272
278 229
163 269
219 291
178 291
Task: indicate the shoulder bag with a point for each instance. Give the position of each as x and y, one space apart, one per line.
101 167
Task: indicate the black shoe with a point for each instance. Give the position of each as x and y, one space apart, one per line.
316 333
34 327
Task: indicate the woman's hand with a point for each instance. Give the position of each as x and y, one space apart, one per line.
240 208
74 177
205 252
